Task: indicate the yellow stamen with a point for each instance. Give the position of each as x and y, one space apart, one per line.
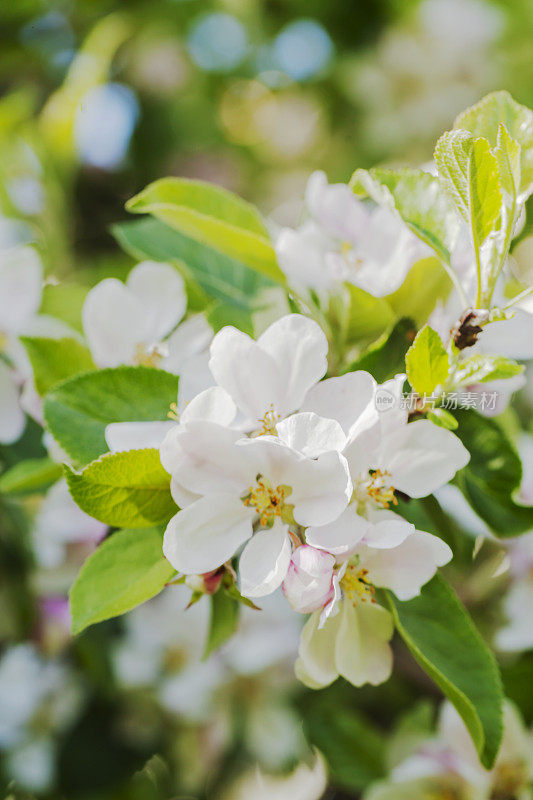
147 356
356 585
267 500
268 423
379 491
173 413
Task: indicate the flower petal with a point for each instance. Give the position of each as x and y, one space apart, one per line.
207 533
362 650
189 339
387 530
249 374
321 488
115 322
204 458
421 457
264 561
136 435
298 347
161 290
341 536
406 568
310 434
213 404
316 663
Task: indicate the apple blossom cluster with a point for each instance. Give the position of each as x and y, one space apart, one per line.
299 477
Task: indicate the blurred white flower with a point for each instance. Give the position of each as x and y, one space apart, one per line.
21 282
448 765
346 240
304 783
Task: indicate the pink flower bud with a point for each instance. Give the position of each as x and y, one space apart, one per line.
309 582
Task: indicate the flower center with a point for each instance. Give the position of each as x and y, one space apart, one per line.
148 356
356 585
267 500
509 778
268 423
379 490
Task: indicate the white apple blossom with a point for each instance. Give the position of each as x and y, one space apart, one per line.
448 765
269 379
137 322
21 285
244 485
345 239
306 782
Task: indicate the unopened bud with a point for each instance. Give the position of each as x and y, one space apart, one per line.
308 585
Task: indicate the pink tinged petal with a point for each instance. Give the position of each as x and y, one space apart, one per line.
316 663
310 434
298 347
204 458
362 650
308 585
136 435
341 536
12 419
421 457
207 533
264 561
161 291
213 404
189 339
387 530
321 489
249 374
406 568
115 322
21 276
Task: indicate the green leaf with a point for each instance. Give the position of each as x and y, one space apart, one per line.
125 489
223 279
54 360
385 357
212 216
499 108
125 570
482 368
493 475
223 621
32 475
368 316
77 411
65 302
419 200
468 171
443 418
427 362
445 642
507 153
